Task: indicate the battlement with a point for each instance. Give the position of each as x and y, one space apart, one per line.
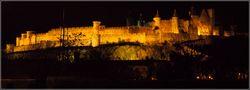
160 30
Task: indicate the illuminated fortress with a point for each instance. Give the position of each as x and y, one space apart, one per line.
157 31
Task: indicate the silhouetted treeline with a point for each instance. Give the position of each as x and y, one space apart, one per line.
227 57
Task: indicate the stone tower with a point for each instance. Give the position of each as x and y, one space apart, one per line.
205 26
174 23
22 40
157 20
17 41
211 15
29 35
96 36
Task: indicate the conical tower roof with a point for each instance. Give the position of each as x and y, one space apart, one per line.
157 14
204 17
175 14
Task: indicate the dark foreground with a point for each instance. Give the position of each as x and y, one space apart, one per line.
226 67
107 74
68 82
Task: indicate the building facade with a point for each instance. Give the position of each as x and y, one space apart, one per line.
158 31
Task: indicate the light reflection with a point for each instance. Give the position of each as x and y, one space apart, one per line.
153 77
241 76
202 76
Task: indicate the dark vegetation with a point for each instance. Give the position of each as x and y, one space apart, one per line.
226 57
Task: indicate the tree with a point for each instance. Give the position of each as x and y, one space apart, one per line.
72 40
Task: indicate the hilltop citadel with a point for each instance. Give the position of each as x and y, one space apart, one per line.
159 31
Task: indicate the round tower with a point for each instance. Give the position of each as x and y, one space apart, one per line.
212 19
29 33
157 20
96 25
22 41
28 36
23 36
174 23
95 36
17 41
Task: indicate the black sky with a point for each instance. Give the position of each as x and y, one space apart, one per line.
18 17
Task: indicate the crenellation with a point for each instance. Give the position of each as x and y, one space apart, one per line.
23 35
158 31
17 41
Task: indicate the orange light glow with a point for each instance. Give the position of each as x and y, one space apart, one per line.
197 77
98 34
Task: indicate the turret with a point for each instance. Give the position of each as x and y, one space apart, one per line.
157 20
23 36
17 41
22 40
205 27
95 35
212 18
96 25
29 34
174 23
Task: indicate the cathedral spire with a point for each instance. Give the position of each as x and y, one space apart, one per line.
174 15
157 14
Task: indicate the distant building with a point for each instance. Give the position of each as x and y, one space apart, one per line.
158 31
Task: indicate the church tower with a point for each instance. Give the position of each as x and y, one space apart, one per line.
157 20
174 23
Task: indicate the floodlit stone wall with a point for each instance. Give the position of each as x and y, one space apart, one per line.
159 31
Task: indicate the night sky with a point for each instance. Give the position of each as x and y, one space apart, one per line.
18 17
